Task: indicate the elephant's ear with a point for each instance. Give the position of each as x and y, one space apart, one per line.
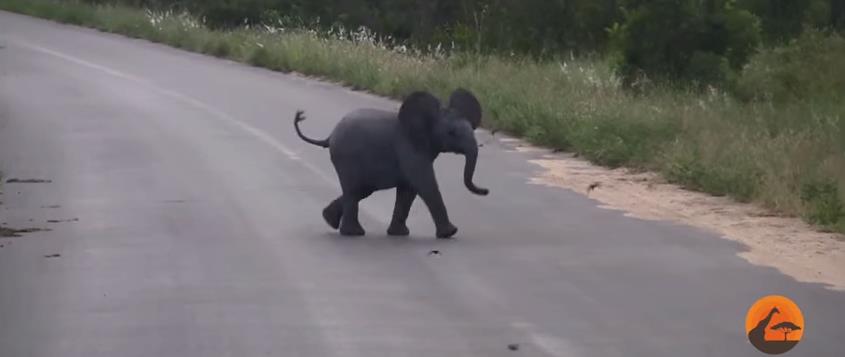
467 105
418 114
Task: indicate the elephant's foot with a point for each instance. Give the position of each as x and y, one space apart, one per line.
397 229
351 230
332 214
446 231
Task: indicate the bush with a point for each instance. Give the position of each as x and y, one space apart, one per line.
782 20
822 203
228 14
708 67
809 67
683 39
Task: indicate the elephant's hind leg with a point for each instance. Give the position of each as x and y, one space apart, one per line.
404 199
349 224
333 212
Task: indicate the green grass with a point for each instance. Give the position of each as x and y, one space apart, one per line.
785 154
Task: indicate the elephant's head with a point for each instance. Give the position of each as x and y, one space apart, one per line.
452 129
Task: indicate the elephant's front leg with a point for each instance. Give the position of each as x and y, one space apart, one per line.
421 176
404 199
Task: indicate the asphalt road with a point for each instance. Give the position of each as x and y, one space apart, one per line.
199 231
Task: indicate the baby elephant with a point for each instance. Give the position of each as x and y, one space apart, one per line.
374 150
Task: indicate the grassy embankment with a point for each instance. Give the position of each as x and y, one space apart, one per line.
783 150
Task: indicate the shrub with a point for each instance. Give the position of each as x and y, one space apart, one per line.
683 39
708 67
822 202
809 67
228 14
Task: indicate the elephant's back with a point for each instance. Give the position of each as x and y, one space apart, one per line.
362 148
364 128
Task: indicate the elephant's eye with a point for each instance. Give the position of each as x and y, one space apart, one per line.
453 133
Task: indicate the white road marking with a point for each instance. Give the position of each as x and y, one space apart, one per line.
81 62
217 113
552 345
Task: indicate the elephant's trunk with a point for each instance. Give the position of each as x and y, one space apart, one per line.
471 155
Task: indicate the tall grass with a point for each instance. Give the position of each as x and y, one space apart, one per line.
786 155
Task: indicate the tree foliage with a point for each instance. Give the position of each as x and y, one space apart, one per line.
691 39
704 40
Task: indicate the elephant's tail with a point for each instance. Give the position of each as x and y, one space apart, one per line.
299 117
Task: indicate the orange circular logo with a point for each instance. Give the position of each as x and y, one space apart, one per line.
774 324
